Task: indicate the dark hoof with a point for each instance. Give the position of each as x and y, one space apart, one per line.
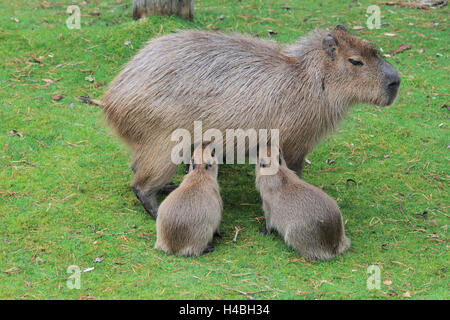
136 192
208 249
151 211
217 234
265 232
168 188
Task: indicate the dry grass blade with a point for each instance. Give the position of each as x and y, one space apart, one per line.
89 101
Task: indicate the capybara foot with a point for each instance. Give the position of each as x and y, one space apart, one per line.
265 232
218 234
208 249
148 201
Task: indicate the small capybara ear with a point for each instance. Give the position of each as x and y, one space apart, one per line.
341 27
329 45
262 163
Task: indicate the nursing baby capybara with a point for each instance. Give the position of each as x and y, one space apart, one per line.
235 81
307 219
190 216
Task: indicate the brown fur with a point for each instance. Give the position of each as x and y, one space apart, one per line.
306 218
190 216
234 81
145 8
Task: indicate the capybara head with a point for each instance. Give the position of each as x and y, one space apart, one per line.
355 71
269 160
204 158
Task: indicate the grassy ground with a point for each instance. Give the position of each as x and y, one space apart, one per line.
64 186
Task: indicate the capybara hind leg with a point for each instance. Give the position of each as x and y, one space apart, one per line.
148 201
134 160
154 170
133 166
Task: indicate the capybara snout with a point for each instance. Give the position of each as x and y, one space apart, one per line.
391 82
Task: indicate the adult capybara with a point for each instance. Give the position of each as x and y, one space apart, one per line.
235 81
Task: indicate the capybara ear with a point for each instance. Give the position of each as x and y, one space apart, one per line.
329 45
341 27
262 163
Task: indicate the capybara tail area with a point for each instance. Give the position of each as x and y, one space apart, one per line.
181 240
124 123
311 252
132 119
176 237
312 247
344 244
195 243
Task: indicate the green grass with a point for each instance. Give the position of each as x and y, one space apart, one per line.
65 197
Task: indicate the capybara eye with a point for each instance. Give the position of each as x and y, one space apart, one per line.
355 62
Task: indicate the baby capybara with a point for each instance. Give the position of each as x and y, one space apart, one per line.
306 218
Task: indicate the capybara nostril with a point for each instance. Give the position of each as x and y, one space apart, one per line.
391 77
394 84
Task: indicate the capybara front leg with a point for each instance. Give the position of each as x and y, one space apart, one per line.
265 232
208 249
296 164
300 165
168 188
